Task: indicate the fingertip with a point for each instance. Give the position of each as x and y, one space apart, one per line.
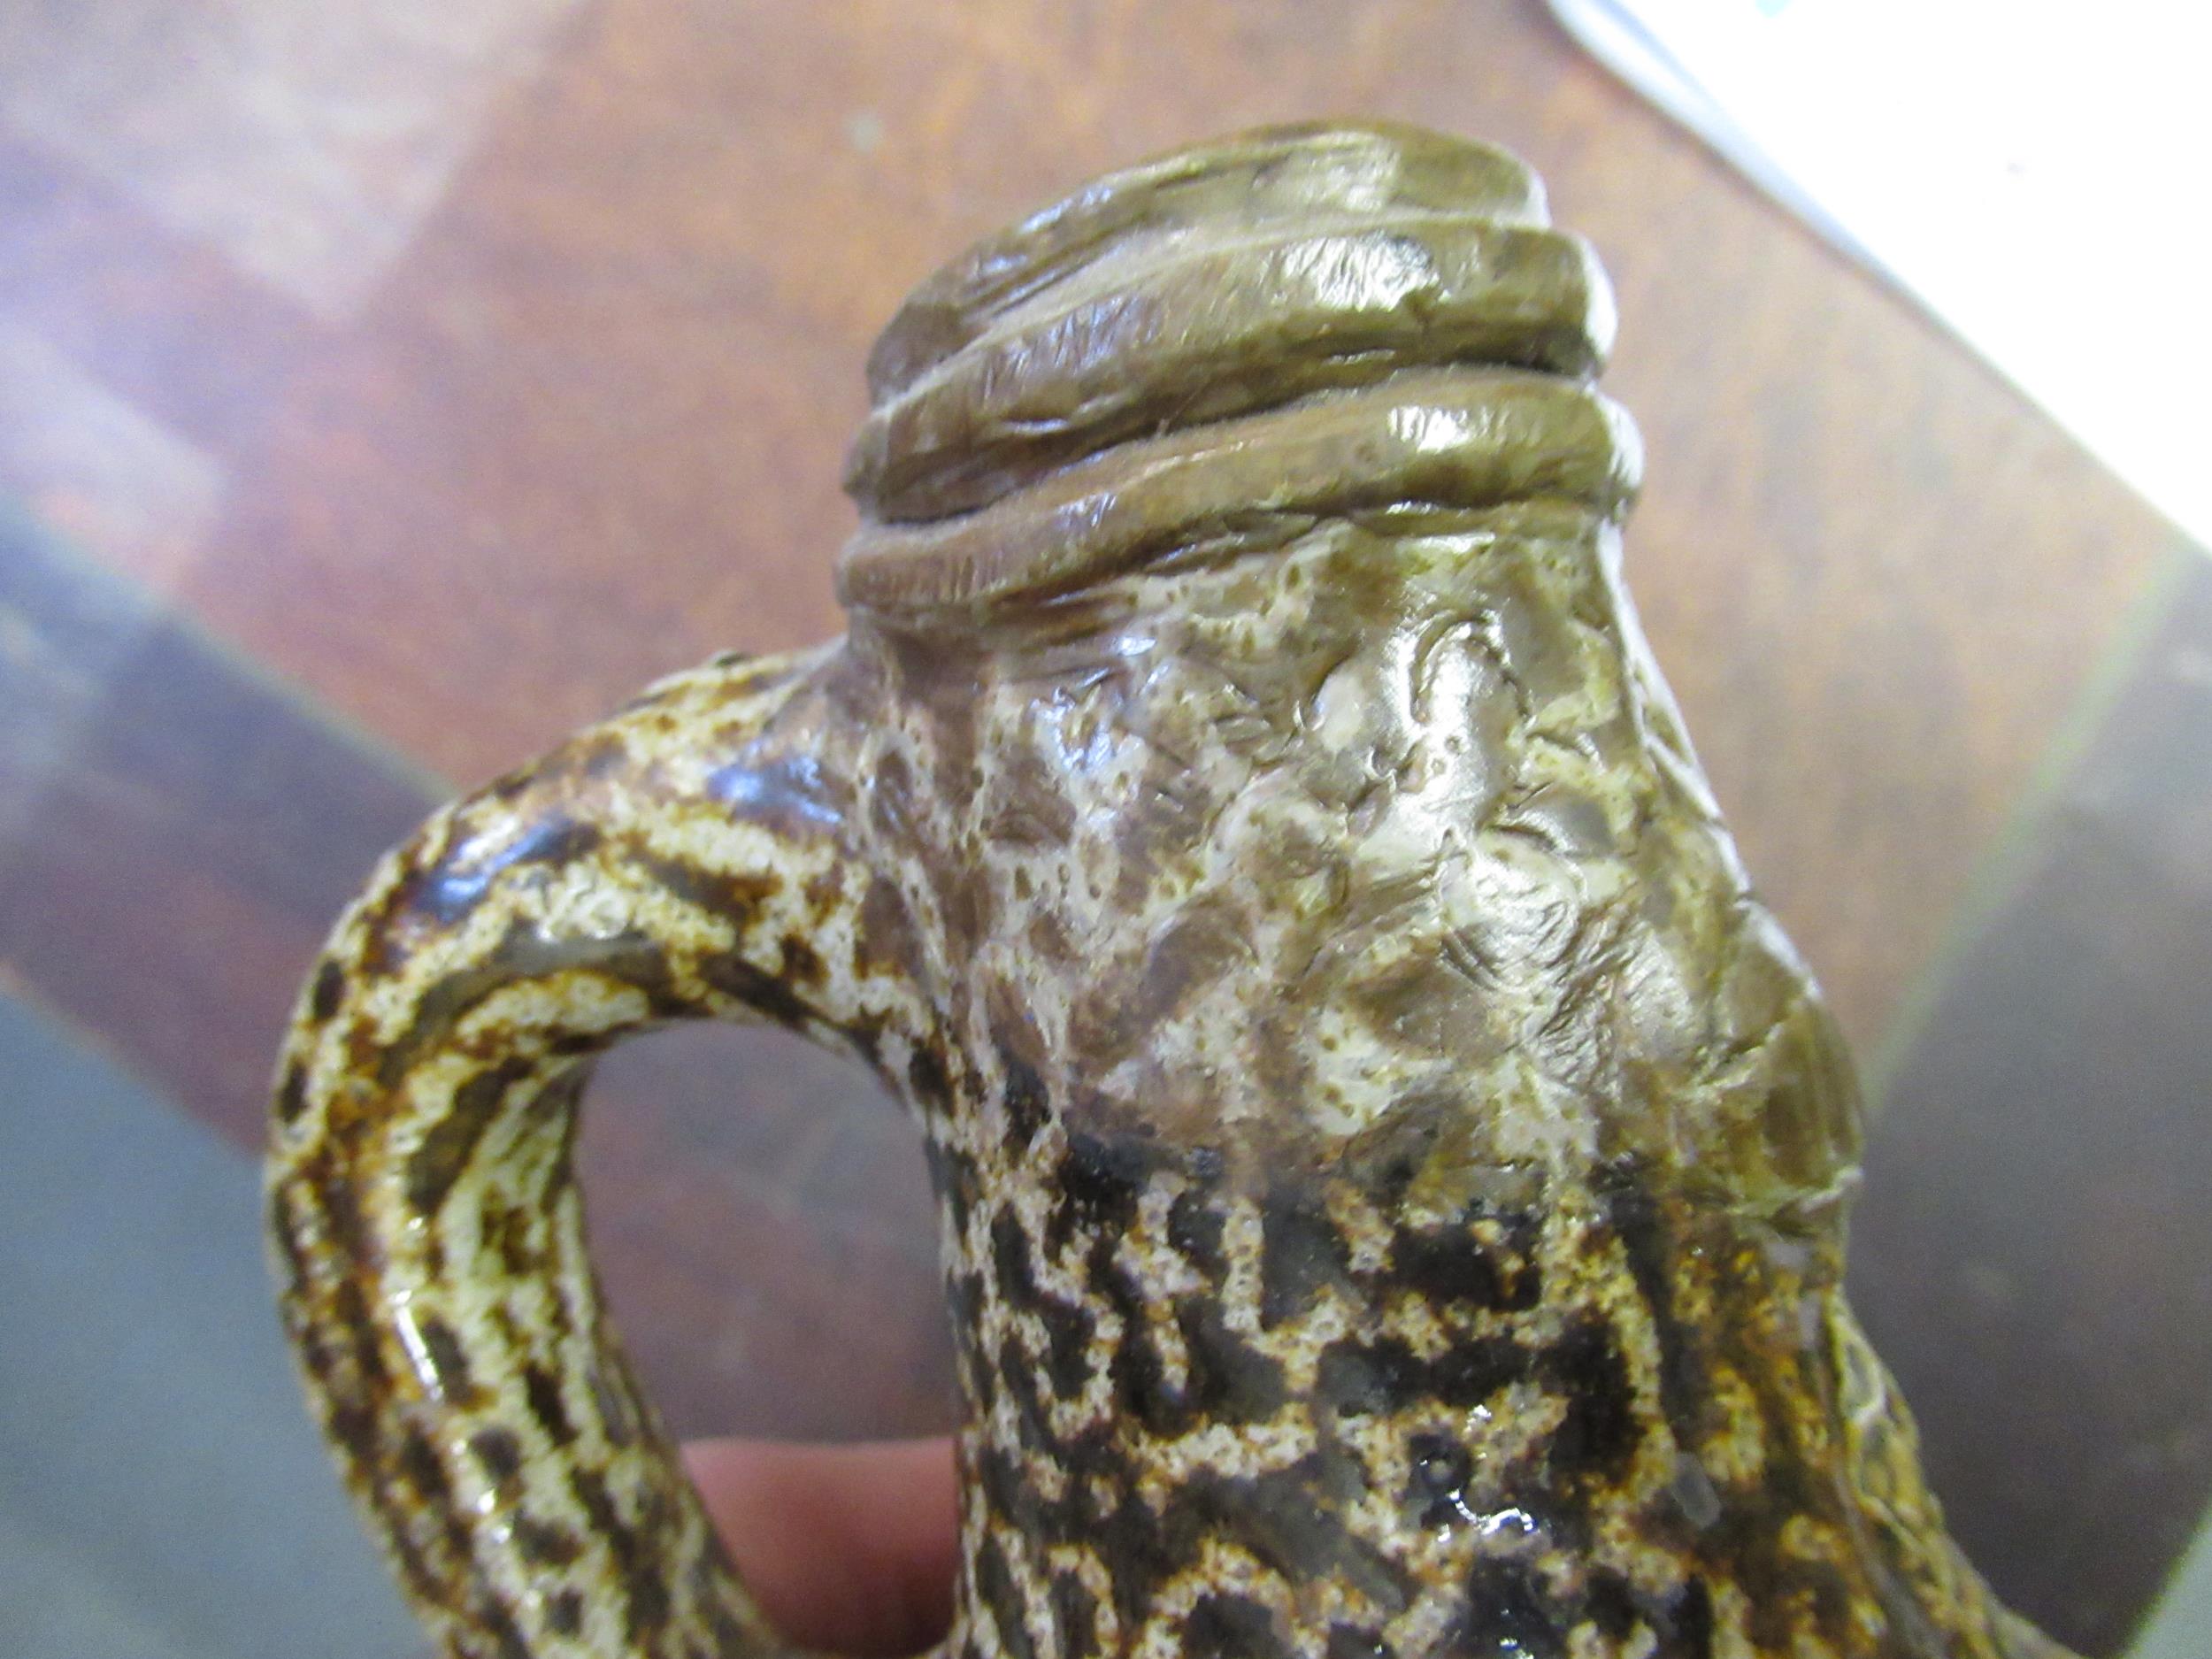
850 1548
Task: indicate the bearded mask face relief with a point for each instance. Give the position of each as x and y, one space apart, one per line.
1392 1168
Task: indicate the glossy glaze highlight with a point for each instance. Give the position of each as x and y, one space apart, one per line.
1392 1170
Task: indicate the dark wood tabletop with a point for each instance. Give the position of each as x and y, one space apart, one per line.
375 408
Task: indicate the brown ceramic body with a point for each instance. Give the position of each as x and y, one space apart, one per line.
1392 1170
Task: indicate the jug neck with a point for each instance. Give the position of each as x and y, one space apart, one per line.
1393 821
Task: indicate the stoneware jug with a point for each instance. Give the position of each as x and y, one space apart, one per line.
1392 1170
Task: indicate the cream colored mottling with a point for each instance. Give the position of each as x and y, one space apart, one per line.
1387 1155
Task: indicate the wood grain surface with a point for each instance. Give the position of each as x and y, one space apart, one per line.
578 421
587 430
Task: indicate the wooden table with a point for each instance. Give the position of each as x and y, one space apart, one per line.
377 402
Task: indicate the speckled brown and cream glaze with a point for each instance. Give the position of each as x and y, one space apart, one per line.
1392 1170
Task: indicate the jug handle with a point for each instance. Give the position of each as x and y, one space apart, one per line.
690 858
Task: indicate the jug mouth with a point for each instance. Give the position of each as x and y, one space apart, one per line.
1292 322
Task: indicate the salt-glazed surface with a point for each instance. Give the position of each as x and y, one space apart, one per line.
1392 1168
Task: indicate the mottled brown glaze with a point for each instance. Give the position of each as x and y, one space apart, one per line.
1392 1170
